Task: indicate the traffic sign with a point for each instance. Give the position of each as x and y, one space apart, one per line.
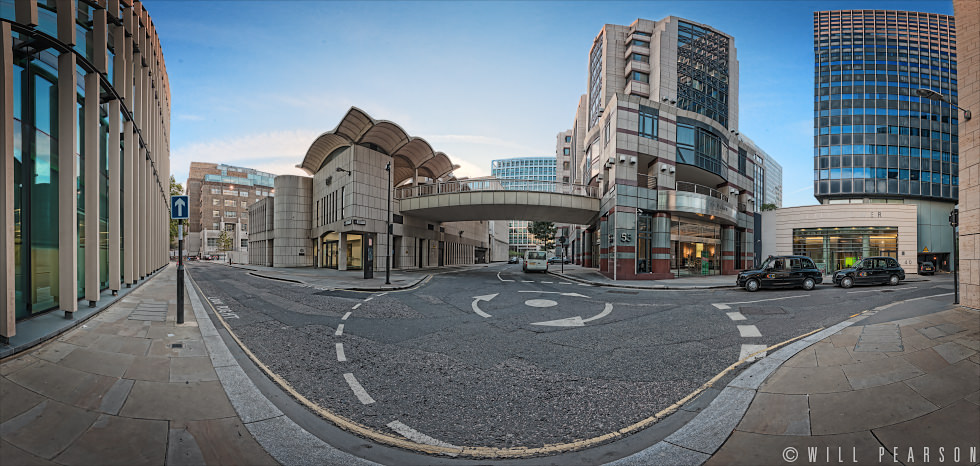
179 207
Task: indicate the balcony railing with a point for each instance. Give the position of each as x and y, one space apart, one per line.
699 189
496 184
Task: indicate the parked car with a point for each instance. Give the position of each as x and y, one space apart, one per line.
871 271
782 272
926 268
514 260
535 261
558 260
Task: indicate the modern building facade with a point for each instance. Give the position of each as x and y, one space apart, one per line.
527 171
219 197
84 129
968 25
338 217
875 140
657 134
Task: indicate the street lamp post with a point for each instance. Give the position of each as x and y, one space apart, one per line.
933 95
388 218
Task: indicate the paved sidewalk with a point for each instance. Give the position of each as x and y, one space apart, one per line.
592 276
350 280
907 386
128 387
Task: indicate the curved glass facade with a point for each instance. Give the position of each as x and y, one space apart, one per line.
70 179
873 136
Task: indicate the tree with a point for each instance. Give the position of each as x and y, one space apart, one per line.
224 241
766 207
543 232
175 190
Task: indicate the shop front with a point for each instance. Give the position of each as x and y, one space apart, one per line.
837 248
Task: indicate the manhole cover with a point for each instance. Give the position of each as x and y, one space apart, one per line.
759 310
624 292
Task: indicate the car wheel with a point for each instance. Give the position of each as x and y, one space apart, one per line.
808 284
752 285
893 280
846 282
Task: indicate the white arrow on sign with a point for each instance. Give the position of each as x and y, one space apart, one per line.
555 292
476 303
179 206
576 321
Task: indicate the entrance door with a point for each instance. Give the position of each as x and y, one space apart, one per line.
421 249
331 255
442 253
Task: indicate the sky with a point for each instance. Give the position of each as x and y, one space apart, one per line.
253 83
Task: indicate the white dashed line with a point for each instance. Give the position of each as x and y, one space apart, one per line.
345 316
356 306
565 283
747 331
369 298
584 284
548 282
417 436
340 330
736 316
726 305
749 349
340 352
358 389
527 281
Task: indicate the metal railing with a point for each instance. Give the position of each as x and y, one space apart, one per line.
699 189
496 184
646 181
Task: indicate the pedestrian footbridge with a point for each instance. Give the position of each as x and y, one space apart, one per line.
500 199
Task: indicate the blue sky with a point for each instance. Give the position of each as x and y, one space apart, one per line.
253 83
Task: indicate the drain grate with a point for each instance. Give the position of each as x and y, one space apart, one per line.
761 310
177 345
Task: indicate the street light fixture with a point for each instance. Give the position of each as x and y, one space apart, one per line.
933 95
341 169
388 218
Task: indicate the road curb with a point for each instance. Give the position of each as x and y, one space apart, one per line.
696 441
639 287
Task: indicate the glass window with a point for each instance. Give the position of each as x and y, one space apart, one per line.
641 77
647 122
640 57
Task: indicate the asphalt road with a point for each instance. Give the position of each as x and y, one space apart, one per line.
492 357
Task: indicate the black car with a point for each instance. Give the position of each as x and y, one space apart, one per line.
782 272
871 271
514 260
926 268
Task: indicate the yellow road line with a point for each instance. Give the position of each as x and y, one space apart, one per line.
483 452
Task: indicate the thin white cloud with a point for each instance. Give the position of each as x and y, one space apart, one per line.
276 152
188 117
476 139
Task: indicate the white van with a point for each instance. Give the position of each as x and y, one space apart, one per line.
535 261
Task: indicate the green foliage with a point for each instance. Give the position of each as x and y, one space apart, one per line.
543 232
224 241
175 190
766 207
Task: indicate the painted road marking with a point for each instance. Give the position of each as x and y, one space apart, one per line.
356 306
565 283
527 281
747 331
736 316
417 436
550 283
345 316
541 303
340 330
358 389
476 304
555 292
577 321
873 291
340 352
749 349
369 298
498 278
726 305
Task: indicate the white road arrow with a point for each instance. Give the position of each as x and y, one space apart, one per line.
576 321
476 303
555 292
179 206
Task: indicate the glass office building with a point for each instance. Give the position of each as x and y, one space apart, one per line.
875 140
526 171
85 153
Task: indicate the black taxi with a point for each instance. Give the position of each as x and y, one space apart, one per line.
782 272
871 271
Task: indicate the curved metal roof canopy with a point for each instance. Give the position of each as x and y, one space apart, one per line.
409 153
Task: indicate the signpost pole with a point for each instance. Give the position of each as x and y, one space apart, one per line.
180 271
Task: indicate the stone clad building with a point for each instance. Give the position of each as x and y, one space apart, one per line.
331 218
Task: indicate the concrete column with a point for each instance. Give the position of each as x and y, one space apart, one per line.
342 252
92 180
129 204
119 76
865 246
660 255
728 264
67 197
7 272
66 21
26 12
827 260
139 152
